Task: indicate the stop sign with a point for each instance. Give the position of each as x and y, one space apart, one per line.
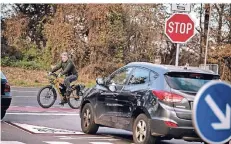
179 28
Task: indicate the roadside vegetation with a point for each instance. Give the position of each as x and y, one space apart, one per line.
35 78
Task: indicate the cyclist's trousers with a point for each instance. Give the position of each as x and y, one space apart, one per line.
68 81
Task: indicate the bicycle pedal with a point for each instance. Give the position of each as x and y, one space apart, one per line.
62 104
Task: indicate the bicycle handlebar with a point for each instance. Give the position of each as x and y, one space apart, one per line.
54 74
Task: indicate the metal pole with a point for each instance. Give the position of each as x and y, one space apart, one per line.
177 54
207 40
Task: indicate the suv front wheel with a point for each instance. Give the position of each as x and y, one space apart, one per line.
88 124
142 131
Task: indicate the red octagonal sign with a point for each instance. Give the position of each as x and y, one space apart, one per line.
179 28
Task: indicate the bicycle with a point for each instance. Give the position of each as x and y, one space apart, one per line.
56 85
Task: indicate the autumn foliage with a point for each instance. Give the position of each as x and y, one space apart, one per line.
103 37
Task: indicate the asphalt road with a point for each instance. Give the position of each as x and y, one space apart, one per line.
27 123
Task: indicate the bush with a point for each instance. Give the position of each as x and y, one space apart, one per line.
27 65
6 61
31 54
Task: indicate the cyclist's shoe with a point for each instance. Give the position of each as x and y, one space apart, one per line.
63 101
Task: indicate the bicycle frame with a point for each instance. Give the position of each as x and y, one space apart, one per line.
56 84
57 81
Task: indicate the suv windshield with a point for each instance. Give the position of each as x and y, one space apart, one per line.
188 81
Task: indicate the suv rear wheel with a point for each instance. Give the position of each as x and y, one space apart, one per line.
142 131
88 124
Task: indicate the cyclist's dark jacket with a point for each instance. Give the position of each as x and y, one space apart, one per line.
68 68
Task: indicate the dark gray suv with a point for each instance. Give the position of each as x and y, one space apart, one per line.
152 101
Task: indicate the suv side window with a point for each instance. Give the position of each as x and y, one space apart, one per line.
139 76
120 77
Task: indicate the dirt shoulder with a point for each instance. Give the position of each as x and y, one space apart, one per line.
25 78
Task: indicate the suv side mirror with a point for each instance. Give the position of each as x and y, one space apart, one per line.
100 81
112 88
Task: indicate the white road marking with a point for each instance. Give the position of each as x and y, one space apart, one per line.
67 138
45 130
53 111
22 91
87 137
56 142
11 142
24 96
96 139
109 138
100 143
29 106
44 114
57 106
104 139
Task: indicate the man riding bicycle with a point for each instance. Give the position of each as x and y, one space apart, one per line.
69 70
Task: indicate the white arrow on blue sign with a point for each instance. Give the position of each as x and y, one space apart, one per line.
212 112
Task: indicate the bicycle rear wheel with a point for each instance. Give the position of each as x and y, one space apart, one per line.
46 96
74 101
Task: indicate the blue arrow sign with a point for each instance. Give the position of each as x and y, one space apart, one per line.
212 112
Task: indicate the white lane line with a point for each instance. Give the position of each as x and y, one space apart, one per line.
11 142
67 138
22 91
53 111
46 114
57 105
56 142
86 137
101 139
97 139
24 96
100 143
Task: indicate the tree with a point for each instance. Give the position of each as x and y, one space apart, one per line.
37 14
102 37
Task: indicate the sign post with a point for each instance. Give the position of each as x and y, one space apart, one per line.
177 54
212 112
179 28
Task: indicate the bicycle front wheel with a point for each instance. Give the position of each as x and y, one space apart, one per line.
46 96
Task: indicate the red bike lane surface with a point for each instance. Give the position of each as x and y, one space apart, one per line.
39 109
